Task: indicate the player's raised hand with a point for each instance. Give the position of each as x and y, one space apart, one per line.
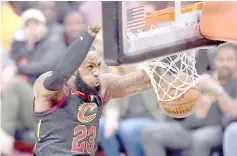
93 29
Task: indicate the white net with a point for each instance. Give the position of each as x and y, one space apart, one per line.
172 76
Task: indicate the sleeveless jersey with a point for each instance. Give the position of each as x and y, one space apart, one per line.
69 128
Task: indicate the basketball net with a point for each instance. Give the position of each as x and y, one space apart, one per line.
173 75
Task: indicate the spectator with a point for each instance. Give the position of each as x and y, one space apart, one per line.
230 134
225 72
64 7
6 143
8 27
202 61
50 11
92 11
16 105
230 143
125 118
199 133
34 48
74 23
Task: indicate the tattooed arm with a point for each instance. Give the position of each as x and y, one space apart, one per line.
115 86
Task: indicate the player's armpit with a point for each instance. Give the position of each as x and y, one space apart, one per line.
44 98
126 85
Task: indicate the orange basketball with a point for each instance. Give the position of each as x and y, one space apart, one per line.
186 103
182 106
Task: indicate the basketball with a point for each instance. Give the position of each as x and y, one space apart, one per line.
186 103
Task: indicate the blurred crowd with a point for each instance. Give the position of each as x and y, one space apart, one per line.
35 36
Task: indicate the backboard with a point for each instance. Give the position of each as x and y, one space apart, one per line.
138 31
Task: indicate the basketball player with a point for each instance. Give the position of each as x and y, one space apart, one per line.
69 99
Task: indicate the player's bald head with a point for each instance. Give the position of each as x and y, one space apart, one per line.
93 56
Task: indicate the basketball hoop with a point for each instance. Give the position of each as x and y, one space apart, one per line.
173 75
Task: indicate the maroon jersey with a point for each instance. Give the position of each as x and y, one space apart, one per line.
69 128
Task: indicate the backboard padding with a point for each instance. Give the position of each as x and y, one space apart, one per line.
221 23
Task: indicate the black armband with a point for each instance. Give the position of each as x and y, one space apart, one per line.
73 58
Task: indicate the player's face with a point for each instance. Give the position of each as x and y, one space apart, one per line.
87 79
226 62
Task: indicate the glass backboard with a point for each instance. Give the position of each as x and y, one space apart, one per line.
138 31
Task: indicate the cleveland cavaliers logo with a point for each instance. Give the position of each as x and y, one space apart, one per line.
82 113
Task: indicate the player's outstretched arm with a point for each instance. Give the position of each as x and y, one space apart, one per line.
126 85
75 55
47 85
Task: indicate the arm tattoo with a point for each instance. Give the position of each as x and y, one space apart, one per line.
129 84
134 82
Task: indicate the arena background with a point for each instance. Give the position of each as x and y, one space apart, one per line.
32 43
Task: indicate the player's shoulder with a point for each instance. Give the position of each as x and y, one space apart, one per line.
43 97
39 81
40 90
